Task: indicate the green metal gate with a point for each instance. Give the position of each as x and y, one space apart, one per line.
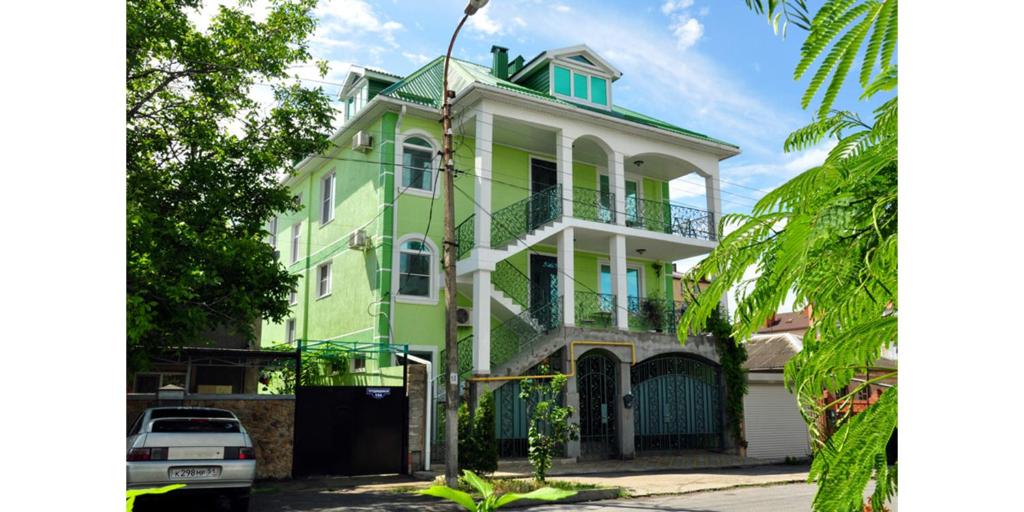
678 404
512 413
596 382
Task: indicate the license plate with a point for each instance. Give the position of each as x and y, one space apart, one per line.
194 472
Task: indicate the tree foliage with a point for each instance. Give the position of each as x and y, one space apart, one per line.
549 428
478 444
203 164
829 235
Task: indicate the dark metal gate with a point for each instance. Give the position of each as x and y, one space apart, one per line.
677 404
596 382
512 412
350 430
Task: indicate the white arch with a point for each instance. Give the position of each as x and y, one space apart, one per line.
435 272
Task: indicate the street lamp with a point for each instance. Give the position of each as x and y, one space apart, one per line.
451 431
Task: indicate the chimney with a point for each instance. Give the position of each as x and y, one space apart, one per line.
515 65
499 68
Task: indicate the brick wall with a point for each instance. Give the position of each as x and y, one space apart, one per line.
417 389
269 421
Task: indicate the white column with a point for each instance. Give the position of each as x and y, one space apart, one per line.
566 275
563 151
714 197
617 179
482 183
481 322
617 255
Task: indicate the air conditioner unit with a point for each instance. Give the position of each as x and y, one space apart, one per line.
463 317
358 240
362 141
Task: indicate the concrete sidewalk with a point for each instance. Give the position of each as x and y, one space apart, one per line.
686 461
681 482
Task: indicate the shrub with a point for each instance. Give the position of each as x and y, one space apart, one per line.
478 446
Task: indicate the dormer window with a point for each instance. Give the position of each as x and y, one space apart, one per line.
356 100
575 85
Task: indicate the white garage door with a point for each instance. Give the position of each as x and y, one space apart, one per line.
774 426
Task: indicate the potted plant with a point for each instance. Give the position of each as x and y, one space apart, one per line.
653 314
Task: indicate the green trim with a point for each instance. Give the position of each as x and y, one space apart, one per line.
386 231
309 248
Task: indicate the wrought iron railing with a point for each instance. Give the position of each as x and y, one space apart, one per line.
517 219
670 218
512 282
465 238
653 314
519 333
509 338
590 204
595 309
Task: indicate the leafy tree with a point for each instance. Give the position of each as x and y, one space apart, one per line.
204 161
830 236
478 446
549 428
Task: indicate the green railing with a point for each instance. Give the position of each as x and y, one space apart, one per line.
590 204
517 219
512 282
653 314
670 218
595 309
465 238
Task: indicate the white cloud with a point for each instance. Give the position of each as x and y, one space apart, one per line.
353 16
482 22
561 8
671 6
519 21
687 31
416 58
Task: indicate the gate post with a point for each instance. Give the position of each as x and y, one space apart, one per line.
626 427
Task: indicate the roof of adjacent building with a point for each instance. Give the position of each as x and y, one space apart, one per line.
771 352
796 322
423 86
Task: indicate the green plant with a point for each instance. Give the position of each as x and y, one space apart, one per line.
131 494
549 428
829 237
731 356
489 499
203 163
478 447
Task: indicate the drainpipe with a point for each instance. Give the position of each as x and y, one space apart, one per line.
394 224
305 275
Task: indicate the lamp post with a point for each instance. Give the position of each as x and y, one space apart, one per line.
451 431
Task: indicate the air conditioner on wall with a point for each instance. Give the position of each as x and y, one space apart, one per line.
362 141
463 317
358 240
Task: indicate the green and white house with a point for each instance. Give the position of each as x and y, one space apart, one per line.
565 236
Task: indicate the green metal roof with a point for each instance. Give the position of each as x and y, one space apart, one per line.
424 85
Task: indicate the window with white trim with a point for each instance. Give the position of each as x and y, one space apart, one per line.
289 330
323 280
327 198
415 269
272 232
293 296
573 85
417 164
296 232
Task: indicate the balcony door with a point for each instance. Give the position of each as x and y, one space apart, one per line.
544 289
632 288
543 178
632 199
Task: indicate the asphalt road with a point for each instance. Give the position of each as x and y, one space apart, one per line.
780 498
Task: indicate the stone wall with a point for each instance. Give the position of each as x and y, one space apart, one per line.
269 420
417 389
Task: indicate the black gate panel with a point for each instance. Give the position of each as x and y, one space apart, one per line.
350 430
597 386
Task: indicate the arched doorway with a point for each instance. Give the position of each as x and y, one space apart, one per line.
678 404
596 375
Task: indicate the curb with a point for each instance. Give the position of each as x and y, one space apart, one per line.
580 496
720 488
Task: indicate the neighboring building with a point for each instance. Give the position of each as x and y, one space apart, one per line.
795 322
564 230
774 427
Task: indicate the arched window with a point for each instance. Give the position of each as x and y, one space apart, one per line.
416 269
417 164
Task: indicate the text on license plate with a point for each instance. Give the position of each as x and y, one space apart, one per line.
194 472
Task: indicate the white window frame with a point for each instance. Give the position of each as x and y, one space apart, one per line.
435 275
327 185
296 242
435 164
579 69
320 293
290 331
639 277
293 296
272 229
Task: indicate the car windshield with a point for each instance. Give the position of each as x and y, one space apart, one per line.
189 413
196 425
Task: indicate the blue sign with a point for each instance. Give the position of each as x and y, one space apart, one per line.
378 393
